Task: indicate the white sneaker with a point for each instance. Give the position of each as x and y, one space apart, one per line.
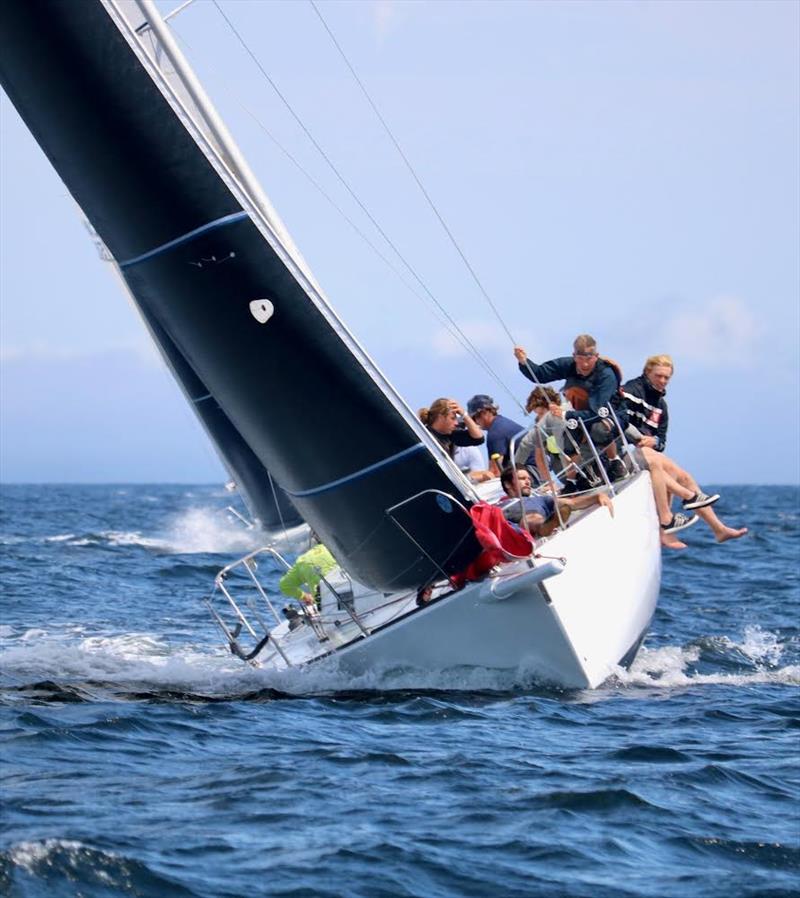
679 521
699 500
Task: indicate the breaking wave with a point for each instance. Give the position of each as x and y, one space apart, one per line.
143 662
194 531
755 658
57 861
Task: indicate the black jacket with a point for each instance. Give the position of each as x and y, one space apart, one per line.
459 437
647 409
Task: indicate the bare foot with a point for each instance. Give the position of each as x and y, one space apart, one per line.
730 533
670 541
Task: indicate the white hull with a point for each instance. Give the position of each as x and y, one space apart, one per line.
569 624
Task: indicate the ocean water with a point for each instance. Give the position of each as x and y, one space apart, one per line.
138 757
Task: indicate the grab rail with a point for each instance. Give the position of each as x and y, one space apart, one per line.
389 512
311 616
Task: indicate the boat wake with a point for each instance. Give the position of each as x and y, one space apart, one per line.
758 657
139 666
194 531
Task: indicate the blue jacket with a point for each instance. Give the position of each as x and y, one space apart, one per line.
601 385
499 435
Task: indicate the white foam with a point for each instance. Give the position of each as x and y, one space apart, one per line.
203 530
328 678
138 656
28 854
194 531
761 646
141 660
130 538
668 666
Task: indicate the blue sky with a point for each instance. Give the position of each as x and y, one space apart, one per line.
627 169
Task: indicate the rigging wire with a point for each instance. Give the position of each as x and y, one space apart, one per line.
438 312
441 315
413 173
464 339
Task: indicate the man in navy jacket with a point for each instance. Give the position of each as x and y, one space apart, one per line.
646 403
591 385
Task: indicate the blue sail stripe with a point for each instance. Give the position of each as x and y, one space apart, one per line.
185 238
357 475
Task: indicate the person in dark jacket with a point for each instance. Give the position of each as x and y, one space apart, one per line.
646 404
648 415
591 385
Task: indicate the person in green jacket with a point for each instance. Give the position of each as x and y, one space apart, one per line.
302 579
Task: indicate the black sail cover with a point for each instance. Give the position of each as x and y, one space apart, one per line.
294 397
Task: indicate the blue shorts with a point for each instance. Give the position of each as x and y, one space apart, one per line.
543 505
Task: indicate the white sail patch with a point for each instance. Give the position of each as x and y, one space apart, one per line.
261 310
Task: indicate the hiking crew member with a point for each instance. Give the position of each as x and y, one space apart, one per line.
648 416
499 430
646 403
591 384
539 512
451 426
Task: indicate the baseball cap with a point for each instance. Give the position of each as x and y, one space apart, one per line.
480 402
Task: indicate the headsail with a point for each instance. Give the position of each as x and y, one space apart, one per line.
225 297
267 502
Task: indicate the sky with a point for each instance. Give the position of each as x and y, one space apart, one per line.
630 170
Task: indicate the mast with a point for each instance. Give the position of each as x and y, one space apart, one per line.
228 298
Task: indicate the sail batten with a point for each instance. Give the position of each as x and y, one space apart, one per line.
356 475
185 238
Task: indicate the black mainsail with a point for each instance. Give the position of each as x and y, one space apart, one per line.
232 312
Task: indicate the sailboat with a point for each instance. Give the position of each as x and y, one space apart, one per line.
251 338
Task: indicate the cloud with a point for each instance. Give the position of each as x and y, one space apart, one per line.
42 351
388 15
714 333
385 15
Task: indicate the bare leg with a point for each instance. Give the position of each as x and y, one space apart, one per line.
684 485
668 466
722 532
661 495
674 487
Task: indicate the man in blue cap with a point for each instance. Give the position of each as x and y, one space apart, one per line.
499 430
